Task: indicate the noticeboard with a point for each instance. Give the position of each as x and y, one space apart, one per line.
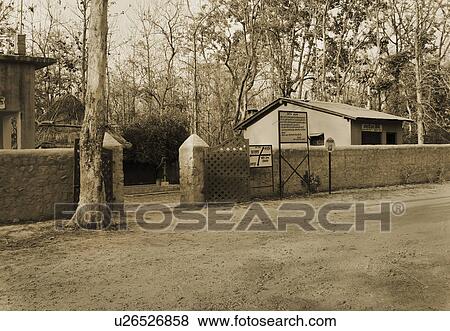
372 127
260 156
293 127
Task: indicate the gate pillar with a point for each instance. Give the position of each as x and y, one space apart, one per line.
192 170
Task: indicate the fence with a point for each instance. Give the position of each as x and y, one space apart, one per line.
352 167
227 171
365 167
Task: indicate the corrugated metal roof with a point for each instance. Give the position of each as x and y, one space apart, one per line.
354 112
338 109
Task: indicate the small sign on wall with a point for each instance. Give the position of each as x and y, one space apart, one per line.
2 103
260 156
330 145
372 128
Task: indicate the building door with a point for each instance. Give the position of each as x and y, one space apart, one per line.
391 138
370 138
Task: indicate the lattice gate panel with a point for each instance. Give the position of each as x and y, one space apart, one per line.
228 172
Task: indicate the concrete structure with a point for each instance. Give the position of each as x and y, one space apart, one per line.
116 145
17 74
346 124
192 170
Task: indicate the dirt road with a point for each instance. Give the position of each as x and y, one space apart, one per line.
408 268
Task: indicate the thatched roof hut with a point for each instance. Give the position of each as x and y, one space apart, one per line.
60 125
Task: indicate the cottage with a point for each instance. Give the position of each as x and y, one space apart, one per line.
347 125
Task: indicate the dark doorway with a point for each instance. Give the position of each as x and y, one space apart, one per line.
391 138
370 138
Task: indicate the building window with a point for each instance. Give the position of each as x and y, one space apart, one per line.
370 138
391 138
317 140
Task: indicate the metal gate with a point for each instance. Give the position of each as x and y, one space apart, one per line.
228 171
107 174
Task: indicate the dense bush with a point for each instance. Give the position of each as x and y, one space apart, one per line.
154 137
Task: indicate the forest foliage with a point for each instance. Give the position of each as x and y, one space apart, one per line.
202 67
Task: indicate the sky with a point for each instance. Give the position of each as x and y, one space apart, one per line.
122 13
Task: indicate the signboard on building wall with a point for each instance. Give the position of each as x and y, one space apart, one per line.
260 156
293 127
372 128
330 145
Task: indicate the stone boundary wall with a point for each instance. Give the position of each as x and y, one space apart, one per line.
33 180
352 167
362 167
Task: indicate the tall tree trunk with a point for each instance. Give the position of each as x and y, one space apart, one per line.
196 99
93 129
324 60
418 72
241 98
410 117
383 102
83 51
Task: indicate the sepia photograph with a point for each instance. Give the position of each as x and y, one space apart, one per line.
253 164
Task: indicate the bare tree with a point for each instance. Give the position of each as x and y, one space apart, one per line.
323 80
6 8
161 30
169 26
197 24
424 20
290 40
418 71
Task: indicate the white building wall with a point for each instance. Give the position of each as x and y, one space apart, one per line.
265 130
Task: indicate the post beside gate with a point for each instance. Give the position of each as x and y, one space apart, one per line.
192 170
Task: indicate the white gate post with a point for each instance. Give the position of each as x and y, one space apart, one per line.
192 170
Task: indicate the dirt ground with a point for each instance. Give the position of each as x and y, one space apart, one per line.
406 269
